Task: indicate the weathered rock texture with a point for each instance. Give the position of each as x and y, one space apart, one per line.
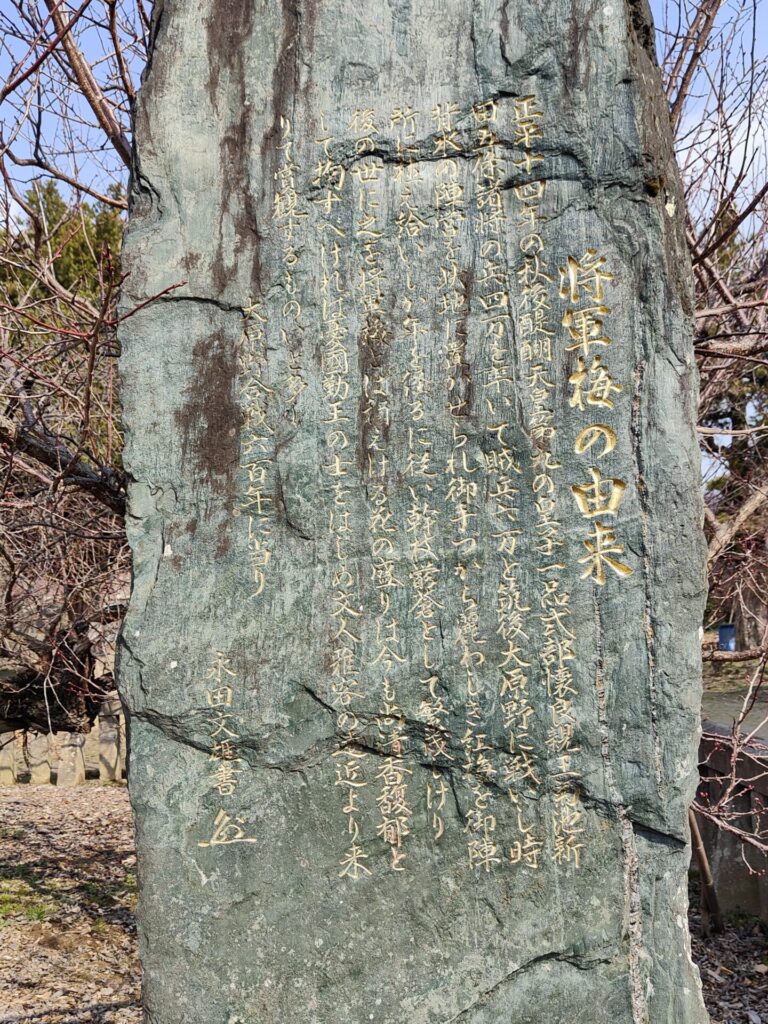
411 658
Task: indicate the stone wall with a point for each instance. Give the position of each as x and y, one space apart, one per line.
67 759
740 872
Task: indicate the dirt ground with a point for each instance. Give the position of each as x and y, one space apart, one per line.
68 939
67 894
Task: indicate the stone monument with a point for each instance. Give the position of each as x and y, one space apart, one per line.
111 740
8 758
37 753
70 769
412 657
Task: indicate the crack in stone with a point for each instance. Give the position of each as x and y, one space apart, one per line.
654 835
225 307
580 963
648 623
638 956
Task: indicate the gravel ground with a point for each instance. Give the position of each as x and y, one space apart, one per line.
734 969
68 939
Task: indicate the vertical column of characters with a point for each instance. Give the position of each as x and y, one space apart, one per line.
345 653
558 654
425 572
229 825
374 342
593 390
257 443
394 774
287 215
463 470
493 296
423 514
450 203
535 336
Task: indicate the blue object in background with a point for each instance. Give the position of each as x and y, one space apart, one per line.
726 637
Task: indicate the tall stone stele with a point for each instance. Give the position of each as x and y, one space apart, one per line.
412 653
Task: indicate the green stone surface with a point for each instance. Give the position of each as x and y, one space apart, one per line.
412 668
